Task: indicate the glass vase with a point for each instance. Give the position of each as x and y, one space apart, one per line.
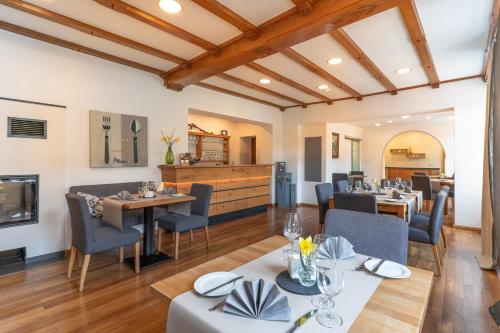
169 156
307 274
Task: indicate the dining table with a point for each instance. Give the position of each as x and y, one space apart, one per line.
391 305
148 256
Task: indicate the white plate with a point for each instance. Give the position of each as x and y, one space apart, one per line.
211 280
389 269
176 195
393 200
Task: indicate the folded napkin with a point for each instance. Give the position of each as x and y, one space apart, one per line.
407 189
124 195
336 248
395 195
169 190
259 300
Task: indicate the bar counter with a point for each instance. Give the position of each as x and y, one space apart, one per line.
237 188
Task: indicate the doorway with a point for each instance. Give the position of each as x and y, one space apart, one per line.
248 150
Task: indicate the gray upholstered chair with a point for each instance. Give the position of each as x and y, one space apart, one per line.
379 236
197 219
323 193
336 177
341 186
419 173
89 237
357 173
423 183
358 202
427 228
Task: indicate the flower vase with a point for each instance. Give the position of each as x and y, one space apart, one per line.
307 272
169 156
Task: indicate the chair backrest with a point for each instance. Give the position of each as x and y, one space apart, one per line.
358 202
105 190
357 173
437 216
336 177
203 193
341 186
379 236
422 183
82 233
420 173
323 193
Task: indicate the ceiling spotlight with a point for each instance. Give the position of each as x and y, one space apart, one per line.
403 70
405 117
265 81
335 61
323 87
389 121
170 6
377 124
428 117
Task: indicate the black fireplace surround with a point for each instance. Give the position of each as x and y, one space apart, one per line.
18 200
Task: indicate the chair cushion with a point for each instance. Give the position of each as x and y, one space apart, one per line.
181 223
107 238
418 235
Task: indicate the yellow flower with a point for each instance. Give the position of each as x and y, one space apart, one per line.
306 245
177 139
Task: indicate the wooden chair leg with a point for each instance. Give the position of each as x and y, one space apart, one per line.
176 245
80 259
72 258
120 254
137 259
191 237
444 237
158 247
206 235
437 259
83 273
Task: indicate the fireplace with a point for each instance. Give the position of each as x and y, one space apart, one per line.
18 200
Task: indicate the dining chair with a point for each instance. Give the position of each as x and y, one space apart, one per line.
198 217
379 236
358 202
427 228
357 173
89 237
336 177
323 194
341 186
420 173
423 183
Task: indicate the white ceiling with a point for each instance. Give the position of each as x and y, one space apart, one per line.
443 116
456 31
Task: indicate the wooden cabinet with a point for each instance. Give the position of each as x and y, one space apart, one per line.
406 173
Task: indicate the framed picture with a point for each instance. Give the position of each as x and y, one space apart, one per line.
335 145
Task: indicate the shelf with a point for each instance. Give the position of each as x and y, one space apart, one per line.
210 135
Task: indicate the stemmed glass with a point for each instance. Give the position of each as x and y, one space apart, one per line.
292 227
322 242
359 185
330 278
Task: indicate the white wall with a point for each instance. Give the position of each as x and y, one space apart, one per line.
466 98
418 143
34 70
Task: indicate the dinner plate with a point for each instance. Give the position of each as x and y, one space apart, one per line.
392 200
389 269
211 280
176 195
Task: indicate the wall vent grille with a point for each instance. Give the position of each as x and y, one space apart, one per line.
27 128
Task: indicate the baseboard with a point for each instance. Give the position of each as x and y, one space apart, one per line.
46 257
465 227
303 204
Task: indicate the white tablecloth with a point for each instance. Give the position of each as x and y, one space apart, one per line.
188 312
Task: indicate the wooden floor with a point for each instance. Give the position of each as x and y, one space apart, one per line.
41 299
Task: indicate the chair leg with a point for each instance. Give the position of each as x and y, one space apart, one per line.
72 258
83 273
137 259
191 237
158 247
120 254
206 235
80 259
320 228
444 237
435 251
176 245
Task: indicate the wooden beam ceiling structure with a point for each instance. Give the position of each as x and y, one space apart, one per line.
301 60
410 16
89 29
492 33
288 30
357 53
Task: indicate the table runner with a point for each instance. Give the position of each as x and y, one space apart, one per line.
188 312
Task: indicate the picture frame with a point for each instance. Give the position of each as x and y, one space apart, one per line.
335 145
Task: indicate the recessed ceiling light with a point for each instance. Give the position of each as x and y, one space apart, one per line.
403 70
377 124
323 87
335 61
389 121
170 6
405 117
428 117
265 81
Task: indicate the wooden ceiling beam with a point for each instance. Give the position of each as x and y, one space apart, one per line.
312 67
288 30
140 15
257 88
88 29
278 77
357 53
77 47
412 21
488 54
237 94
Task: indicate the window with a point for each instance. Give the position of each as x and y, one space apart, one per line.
355 155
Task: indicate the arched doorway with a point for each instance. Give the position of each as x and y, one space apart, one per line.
413 151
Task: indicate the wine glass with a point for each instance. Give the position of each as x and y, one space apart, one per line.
359 185
322 242
330 279
292 227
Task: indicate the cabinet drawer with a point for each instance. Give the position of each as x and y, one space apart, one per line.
230 195
227 184
258 201
231 206
212 210
258 181
257 191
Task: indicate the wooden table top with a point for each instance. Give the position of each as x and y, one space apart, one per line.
395 306
159 200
